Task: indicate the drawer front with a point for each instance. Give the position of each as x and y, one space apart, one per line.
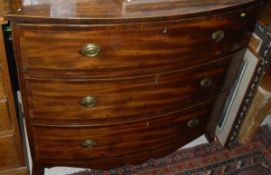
8 152
82 143
5 122
109 100
132 49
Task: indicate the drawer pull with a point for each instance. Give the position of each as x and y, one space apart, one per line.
206 82
88 102
88 144
243 14
91 50
193 123
218 35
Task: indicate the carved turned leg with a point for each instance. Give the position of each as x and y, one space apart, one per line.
38 169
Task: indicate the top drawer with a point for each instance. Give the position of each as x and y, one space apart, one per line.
131 49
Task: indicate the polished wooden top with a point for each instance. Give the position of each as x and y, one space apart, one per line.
117 10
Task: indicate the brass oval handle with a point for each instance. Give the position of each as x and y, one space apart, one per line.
218 35
193 123
88 144
243 14
206 82
88 101
91 50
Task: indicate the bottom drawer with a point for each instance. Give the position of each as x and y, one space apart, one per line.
8 152
103 142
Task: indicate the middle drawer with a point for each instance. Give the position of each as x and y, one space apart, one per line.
104 101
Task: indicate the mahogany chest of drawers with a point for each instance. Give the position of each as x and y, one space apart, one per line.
106 83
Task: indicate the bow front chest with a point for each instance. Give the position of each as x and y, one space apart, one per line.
108 82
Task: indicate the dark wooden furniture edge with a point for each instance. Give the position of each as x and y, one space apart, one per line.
15 16
18 141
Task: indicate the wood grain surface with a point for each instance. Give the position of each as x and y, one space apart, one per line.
9 158
5 119
260 108
63 144
15 171
130 50
2 92
126 99
119 11
11 148
146 80
265 17
7 6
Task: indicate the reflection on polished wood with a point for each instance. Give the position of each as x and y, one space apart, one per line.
39 10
